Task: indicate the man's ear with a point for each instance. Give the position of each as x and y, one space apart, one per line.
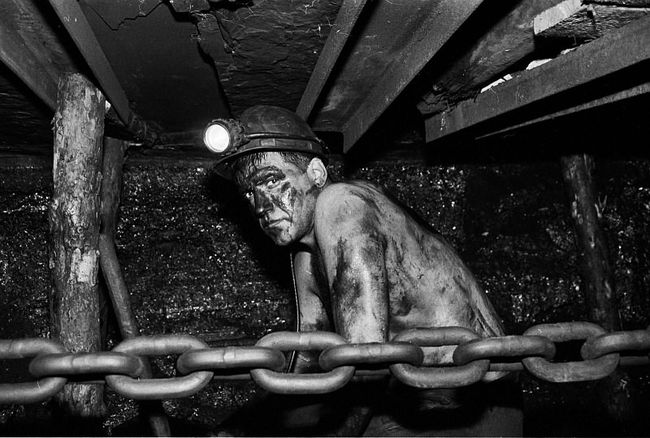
317 172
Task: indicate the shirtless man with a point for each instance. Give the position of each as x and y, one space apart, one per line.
363 266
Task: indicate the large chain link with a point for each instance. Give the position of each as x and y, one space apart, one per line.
439 377
316 383
574 371
30 392
474 359
152 389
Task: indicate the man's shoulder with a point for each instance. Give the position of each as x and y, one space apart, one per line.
355 191
347 203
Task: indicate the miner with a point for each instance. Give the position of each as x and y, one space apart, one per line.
364 267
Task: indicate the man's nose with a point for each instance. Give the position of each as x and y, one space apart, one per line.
262 202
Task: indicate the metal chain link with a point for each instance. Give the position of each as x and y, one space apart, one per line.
504 347
155 389
70 364
30 392
574 371
370 354
474 359
439 377
316 383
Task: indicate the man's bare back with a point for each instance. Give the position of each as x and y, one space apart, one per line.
420 280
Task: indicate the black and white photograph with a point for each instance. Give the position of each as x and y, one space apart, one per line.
325 218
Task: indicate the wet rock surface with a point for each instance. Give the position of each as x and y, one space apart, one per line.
196 263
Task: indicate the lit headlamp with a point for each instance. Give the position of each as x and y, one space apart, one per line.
227 136
224 136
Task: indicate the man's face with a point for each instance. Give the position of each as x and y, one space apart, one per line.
281 196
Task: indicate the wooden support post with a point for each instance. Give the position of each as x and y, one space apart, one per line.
74 226
111 193
596 273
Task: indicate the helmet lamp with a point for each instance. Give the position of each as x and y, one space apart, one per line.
228 136
223 136
217 138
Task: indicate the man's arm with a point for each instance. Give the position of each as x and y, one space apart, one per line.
311 312
353 248
322 413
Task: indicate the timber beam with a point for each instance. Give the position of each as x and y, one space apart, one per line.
506 43
77 25
578 21
570 79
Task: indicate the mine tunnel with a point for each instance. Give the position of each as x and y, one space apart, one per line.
140 297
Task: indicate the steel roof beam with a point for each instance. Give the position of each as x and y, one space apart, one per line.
339 33
31 62
76 23
564 76
424 42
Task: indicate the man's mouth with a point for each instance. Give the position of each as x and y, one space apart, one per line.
271 223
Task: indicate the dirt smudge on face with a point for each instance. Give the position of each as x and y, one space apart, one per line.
286 199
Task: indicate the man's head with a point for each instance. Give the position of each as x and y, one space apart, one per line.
278 164
281 189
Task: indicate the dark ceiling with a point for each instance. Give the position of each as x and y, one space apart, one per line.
351 67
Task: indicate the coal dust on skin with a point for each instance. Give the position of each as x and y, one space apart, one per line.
277 204
383 270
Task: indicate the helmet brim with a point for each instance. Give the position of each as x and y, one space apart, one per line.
223 166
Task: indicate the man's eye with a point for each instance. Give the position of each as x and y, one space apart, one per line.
272 180
248 194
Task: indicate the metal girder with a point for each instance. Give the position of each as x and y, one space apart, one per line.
27 58
564 76
338 36
636 91
76 23
17 56
397 39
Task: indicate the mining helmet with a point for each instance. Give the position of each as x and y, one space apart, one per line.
261 128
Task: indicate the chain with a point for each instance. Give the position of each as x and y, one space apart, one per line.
474 359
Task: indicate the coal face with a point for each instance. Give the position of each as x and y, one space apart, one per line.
196 263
